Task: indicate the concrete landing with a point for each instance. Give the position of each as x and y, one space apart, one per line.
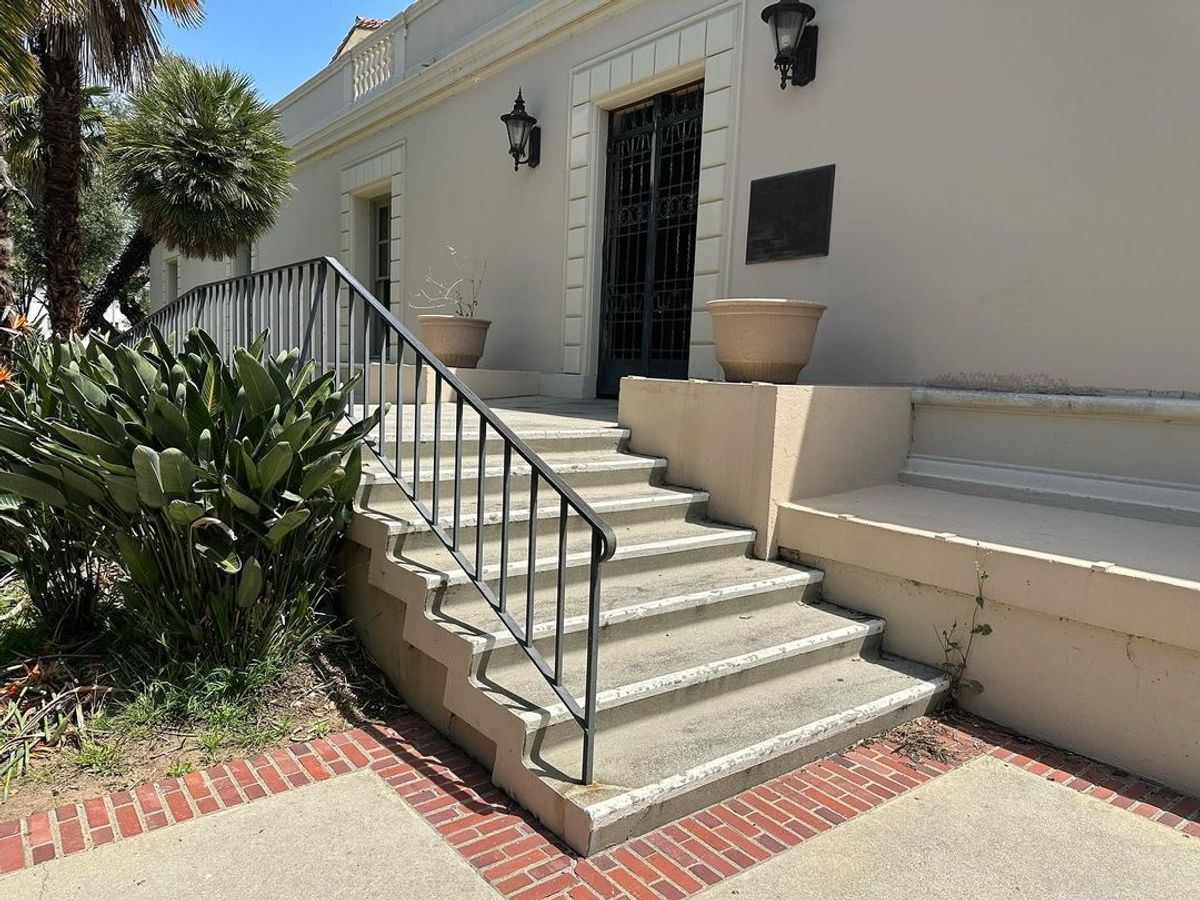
347 837
984 831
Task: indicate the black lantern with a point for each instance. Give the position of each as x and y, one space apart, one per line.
795 41
524 135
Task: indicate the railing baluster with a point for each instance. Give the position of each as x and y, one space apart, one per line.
437 442
505 479
530 593
381 431
399 397
416 479
458 436
593 654
480 483
560 606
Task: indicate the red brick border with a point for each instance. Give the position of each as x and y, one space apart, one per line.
455 796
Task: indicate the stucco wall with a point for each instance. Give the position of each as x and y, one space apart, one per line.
1015 201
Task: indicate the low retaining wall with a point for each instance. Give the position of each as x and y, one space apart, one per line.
754 446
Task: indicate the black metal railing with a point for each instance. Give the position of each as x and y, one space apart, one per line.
337 324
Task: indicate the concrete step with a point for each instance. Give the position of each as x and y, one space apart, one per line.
634 589
648 507
639 539
657 661
650 771
585 443
581 473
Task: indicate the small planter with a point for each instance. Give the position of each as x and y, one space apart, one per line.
764 340
456 340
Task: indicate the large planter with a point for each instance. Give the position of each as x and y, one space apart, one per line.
764 340
455 340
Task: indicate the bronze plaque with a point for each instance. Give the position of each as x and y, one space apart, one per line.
790 215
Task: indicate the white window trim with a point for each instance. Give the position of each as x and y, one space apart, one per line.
380 174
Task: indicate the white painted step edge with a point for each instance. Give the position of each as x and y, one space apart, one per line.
619 462
544 434
794 579
674 681
663 499
631 802
715 538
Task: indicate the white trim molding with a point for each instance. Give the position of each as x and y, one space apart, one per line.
377 176
703 47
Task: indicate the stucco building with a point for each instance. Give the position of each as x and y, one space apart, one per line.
1013 194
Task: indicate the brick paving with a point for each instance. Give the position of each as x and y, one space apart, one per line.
506 846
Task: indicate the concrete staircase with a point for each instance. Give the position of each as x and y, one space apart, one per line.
716 670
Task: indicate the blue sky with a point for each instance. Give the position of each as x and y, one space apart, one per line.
280 42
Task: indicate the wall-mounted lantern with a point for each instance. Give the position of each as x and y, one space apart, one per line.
795 41
524 136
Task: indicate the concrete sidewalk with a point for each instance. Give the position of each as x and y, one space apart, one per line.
984 831
400 813
347 837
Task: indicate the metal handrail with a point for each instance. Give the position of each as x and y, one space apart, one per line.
319 307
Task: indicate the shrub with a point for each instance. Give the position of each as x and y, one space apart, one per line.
221 488
53 554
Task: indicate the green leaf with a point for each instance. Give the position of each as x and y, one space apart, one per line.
285 525
178 473
261 391
32 489
983 630
210 393
183 512
204 447
214 541
275 465
167 422
89 443
347 488
149 477
9 501
83 484
240 500
251 583
139 561
124 492
320 474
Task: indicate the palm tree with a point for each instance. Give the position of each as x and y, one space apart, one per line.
113 41
17 73
17 18
204 165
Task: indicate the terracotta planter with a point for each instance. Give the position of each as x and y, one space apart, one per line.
455 340
764 340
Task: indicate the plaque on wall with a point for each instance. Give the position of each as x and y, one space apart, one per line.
790 216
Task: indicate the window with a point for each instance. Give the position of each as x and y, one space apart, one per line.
381 270
381 251
171 288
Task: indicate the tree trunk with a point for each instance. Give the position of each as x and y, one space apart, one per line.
61 101
113 289
7 293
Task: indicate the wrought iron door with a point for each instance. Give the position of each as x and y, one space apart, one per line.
650 238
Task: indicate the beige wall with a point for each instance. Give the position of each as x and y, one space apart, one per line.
1015 201
754 446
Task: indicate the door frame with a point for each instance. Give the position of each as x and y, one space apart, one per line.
703 47
650 264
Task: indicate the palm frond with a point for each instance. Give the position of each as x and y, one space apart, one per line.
201 158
